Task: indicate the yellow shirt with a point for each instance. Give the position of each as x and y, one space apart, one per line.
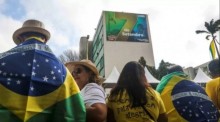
124 113
213 91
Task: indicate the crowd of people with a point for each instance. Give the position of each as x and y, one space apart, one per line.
36 87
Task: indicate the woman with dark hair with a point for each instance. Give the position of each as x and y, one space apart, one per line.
133 100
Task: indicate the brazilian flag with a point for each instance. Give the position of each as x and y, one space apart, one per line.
212 49
186 101
36 87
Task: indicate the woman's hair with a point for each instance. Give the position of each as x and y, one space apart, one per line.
93 78
133 80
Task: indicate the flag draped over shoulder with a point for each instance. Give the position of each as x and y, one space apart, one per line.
166 78
36 87
186 101
212 49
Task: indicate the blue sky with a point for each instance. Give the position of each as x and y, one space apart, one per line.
13 9
172 24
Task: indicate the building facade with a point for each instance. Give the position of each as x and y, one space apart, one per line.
83 47
119 38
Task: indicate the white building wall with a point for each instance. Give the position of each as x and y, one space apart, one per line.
119 53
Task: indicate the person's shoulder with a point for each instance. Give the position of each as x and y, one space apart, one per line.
214 81
152 91
154 94
93 86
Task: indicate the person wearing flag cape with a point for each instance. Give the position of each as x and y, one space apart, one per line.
184 100
34 85
213 86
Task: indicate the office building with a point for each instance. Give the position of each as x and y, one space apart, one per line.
119 38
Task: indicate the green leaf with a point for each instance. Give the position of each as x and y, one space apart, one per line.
201 31
207 37
217 23
211 22
206 24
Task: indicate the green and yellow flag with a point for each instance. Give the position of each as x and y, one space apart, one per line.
36 87
212 49
186 101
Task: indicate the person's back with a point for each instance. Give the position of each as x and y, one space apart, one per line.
34 85
185 100
213 86
133 100
123 112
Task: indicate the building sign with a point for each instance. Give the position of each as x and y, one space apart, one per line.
126 27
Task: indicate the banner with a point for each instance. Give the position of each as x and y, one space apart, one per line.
126 27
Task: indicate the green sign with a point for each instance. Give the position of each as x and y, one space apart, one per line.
126 27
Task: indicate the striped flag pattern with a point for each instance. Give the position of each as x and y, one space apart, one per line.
186 101
212 49
36 87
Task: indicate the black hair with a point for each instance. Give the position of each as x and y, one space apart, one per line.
214 68
174 68
132 79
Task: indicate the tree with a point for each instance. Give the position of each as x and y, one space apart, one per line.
163 68
151 69
211 29
157 73
142 61
68 55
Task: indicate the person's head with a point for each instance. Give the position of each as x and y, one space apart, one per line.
174 68
31 28
84 72
214 68
133 80
132 74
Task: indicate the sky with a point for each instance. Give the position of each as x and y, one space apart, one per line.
172 24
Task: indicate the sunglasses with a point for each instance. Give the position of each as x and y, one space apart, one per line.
77 71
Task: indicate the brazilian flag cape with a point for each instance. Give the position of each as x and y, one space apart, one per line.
36 87
186 101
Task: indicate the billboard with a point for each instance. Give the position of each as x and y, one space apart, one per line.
126 27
